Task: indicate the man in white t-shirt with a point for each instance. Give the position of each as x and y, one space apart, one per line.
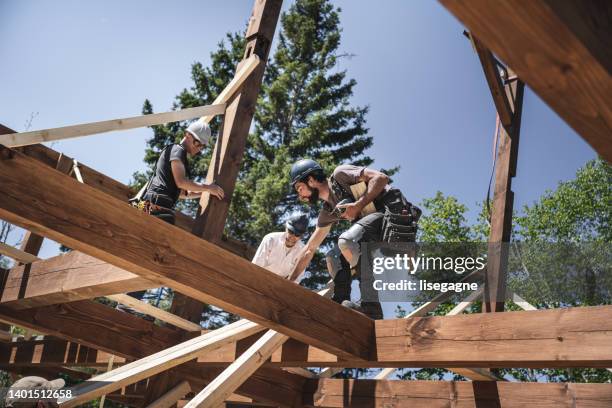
278 252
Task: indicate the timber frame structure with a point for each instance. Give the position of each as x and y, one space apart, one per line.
561 49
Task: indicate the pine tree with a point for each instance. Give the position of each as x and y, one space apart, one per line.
304 111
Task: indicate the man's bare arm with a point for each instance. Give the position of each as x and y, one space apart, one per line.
315 241
182 182
376 182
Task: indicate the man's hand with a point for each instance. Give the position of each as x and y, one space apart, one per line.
216 191
351 210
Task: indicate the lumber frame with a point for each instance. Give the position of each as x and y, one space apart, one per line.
112 231
50 352
85 129
560 49
161 361
341 393
67 278
103 328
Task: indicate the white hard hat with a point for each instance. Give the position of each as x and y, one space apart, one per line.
201 131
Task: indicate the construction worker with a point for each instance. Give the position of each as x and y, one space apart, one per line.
172 180
171 177
392 219
278 251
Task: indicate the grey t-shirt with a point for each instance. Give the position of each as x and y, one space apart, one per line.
163 180
346 175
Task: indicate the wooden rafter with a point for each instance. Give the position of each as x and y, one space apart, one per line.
156 363
160 314
103 328
85 129
561 49
112 231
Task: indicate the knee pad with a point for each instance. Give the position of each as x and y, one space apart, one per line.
333 262
349 242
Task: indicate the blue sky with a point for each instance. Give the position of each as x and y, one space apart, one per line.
431 112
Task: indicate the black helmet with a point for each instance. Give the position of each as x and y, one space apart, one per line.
297 224
303 168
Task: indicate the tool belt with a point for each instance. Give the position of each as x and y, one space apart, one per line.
150 204
148 207
400 218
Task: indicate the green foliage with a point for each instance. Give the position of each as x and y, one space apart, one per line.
578 210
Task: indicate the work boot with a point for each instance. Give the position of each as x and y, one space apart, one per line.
367 308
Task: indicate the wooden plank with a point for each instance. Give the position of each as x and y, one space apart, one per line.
503 204
233 376
172 396
155 312
67 278
17 254
561 49
572 337
253 358
86 129
110 230
341 393
246 68
156 363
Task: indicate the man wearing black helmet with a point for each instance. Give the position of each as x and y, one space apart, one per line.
339 202
278 251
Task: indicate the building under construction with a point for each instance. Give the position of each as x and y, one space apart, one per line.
561 49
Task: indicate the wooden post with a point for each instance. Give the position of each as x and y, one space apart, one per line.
229 149
508 99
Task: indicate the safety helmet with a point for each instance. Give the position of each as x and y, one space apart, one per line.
201 131
297 224
303 168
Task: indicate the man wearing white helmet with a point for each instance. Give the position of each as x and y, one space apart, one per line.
172 180
278 252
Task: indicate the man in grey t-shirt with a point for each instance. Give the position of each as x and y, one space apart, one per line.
311 185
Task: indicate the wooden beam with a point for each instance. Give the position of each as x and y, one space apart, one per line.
233 376
341 393
229 148
17 254
104 328
172 396
110 230
561 49
155 312
156 363
572 337
496 86
52 351
85 129
503 197
474 374
67 278
116 189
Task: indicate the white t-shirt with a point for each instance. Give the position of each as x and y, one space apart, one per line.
274 255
